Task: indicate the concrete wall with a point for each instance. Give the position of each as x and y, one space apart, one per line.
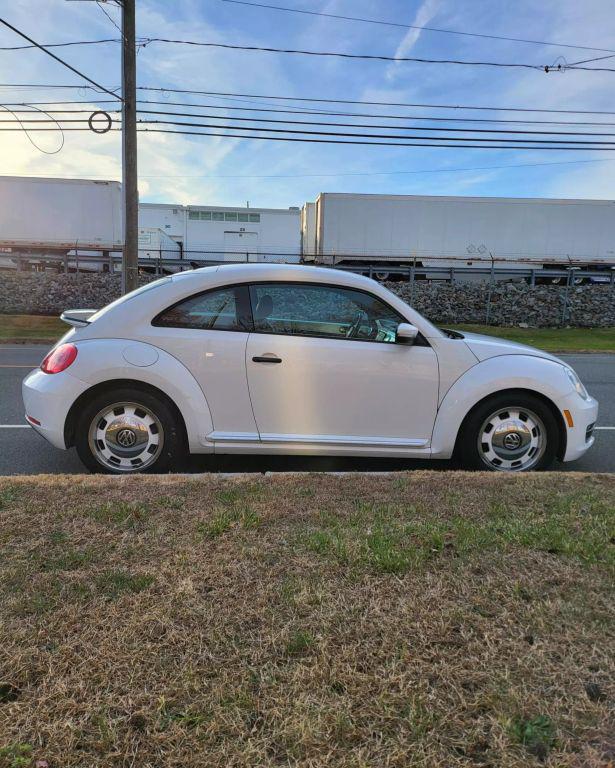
510 304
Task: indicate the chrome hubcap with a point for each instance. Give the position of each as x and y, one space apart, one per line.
126 437
512 440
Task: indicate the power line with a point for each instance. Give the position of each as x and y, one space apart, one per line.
352 174
111 19
386 173
356 56
27 131
372 103
330 113
369 125
144 41
371 135
58 45
22 130
316 112
414 26
370 143
469 107
57 58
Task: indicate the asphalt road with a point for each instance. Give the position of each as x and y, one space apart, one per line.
23 451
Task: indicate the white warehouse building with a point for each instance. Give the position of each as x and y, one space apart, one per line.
219 233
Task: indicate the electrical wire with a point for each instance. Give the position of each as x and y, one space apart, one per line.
355 56
142 42
318 112
457 107
57 58
370 135
415 26
372 103
432 129
32 129
27 132
367 143
385 173
58 45
358 173
111 19
371 125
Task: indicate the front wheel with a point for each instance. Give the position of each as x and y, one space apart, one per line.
509 433
128 431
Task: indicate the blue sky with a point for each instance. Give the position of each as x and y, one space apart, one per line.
229 171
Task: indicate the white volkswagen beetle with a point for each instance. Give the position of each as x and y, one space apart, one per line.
296 360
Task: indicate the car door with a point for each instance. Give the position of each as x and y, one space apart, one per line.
208 332
323 366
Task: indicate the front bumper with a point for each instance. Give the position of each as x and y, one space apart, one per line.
579 437
47 398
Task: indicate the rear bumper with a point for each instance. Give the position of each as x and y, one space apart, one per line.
579 437
48 398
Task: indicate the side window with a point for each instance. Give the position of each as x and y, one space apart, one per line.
321 310
220 310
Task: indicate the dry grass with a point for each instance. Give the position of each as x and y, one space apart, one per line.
411 620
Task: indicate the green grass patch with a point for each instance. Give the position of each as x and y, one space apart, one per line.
41 328
536 734
120 513
299 642
397 538
550 339
16 756
112 584
8 496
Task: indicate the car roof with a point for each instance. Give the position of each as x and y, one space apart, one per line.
230 273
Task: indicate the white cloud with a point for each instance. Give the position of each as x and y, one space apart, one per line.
427 10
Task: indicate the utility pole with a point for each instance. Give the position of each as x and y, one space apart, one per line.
130 192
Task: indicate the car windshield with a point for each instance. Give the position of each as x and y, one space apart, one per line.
137 292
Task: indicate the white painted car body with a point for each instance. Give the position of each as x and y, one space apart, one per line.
335 396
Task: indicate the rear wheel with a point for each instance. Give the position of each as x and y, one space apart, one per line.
128 431
509 433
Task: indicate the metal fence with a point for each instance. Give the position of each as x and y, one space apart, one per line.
493 269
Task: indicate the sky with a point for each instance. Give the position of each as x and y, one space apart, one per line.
228 171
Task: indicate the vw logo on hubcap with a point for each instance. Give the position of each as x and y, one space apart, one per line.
512 441
126 438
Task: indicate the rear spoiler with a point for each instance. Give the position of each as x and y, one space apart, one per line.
78 318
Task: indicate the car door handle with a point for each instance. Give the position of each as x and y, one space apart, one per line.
266 359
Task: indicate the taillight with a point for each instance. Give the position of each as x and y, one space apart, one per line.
59 359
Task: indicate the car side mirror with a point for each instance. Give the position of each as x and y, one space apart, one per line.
406 333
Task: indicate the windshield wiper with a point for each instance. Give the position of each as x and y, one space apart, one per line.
452 334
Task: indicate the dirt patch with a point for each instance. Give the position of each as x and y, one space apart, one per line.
417 619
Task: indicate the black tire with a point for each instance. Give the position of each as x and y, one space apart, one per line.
166 429
472 455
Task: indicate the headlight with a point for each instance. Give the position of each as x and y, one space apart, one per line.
576 383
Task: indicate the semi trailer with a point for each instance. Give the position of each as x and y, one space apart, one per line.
42 219
387 231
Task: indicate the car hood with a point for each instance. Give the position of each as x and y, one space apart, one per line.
485 347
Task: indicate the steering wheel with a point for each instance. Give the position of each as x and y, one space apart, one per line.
356 324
